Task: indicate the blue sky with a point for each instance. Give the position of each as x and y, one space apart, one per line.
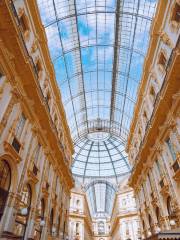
96 33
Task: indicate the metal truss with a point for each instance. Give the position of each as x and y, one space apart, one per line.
98 52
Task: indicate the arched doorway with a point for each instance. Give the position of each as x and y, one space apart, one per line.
24 210
51 222
40 220
5 183
150 223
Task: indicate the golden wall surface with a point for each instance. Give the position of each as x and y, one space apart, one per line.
35 143
154 140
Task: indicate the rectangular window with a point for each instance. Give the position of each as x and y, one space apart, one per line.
150 184
171 149
36 156
16 145
159 168
162 60
20 126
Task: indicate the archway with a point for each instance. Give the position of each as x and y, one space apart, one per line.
5 183
24 210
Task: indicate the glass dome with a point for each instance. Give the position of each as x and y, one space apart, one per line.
100 154
98 48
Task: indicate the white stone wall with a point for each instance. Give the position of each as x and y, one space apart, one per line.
48 183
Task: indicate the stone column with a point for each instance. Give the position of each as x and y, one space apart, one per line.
30 224
9 216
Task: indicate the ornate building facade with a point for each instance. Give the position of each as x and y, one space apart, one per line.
154 139
76 163
80 221
122 224
35 143
125 219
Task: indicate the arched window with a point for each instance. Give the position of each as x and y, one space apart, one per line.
23 211
5 182
169 206
51 221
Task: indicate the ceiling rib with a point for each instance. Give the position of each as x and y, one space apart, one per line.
87 161
129 66
125 160
111 161
95 12
82 75
115 62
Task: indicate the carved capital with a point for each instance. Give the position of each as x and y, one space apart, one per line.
158 147
34 46
16 95
165 38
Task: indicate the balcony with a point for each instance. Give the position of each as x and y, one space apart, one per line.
76 211
176 168
164 186
33 173
8 148
153 199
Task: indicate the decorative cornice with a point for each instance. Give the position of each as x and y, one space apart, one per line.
155 29
26 84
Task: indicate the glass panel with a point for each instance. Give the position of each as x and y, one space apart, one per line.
98 50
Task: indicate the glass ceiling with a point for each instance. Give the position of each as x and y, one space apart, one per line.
98 49
100 196
100 154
